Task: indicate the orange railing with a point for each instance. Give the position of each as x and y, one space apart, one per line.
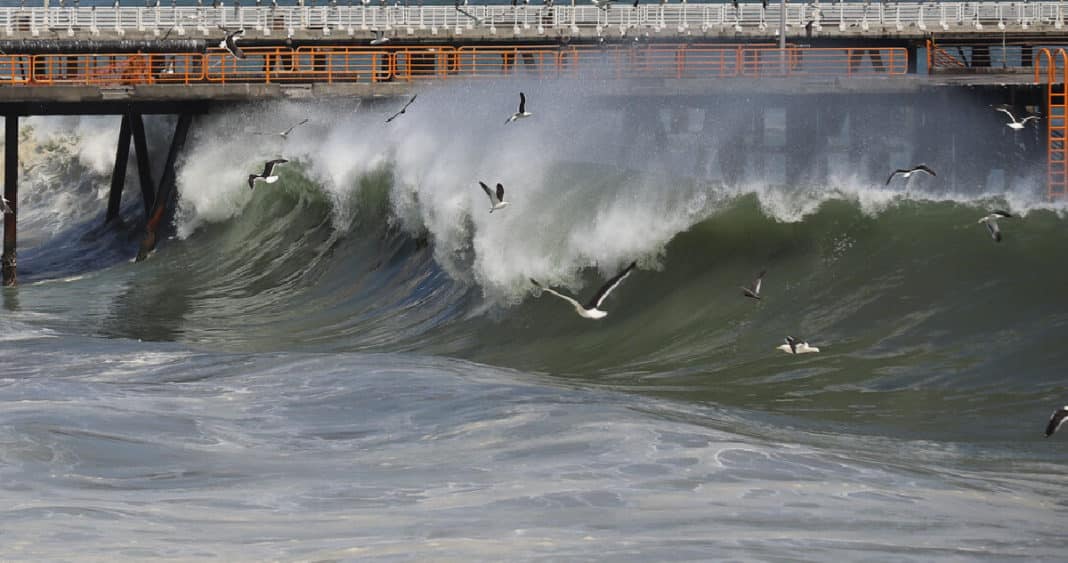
376 64
533 61
178 68
827 62
15 69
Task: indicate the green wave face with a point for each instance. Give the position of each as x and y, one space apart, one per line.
380 239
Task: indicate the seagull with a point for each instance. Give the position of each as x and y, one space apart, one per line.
477 19
268 174
496 199
592 310
602 4
380 38
5 206
797 346
402 110
1056 420
1016 125
285 134
992 223
909 172
522 109
230 42
754 289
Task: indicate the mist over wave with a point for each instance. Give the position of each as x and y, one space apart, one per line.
587 191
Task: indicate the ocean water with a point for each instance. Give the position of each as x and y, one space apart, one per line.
351 363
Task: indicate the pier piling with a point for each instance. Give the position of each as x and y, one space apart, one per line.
118 174
144 168
11 193
166 187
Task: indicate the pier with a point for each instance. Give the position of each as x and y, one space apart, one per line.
164 60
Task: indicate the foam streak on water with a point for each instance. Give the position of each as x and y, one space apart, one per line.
163 453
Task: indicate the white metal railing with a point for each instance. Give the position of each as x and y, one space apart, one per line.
621 19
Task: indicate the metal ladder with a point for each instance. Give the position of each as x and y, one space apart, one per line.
1056 69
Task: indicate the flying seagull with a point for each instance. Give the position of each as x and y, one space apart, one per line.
5 206
402 110
522 109
476 19
1016 125
496 199
1056 420
230 42
285 134
268 174
797 346
906 173
753 290
592 309
380 38
992 223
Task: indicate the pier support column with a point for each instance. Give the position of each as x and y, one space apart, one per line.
911 64
166 188
118 174
11 194
144 170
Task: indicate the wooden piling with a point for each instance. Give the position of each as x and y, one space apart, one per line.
166 187
118 174
11 193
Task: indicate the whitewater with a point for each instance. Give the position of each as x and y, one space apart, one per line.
351 363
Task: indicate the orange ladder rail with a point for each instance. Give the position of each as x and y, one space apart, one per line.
1056 67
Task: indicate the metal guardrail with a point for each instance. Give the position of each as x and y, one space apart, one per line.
269 65
267 21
